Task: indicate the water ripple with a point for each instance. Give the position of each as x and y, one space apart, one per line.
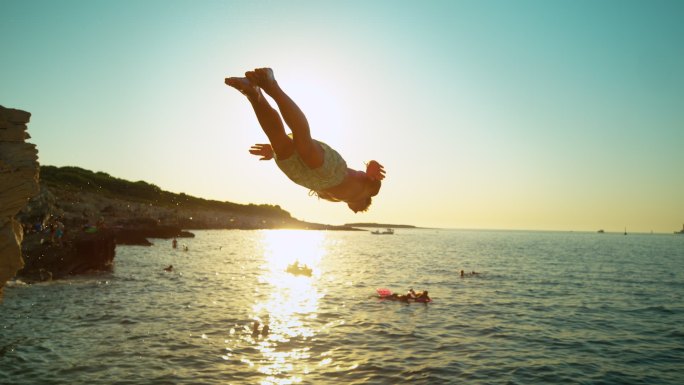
547 308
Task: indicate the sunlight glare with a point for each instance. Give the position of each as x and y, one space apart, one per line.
292 303
284 247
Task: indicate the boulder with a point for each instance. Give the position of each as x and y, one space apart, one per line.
77 254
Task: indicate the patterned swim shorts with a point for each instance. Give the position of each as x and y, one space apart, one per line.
329 174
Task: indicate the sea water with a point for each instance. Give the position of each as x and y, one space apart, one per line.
546 308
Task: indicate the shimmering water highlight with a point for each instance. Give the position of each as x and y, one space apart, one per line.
547 308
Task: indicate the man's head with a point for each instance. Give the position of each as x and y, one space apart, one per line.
361 205
371 189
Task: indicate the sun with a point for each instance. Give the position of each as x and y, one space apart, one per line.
319 98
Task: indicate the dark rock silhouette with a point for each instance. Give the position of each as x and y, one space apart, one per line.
18 183
77 254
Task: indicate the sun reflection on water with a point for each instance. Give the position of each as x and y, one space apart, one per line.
288 305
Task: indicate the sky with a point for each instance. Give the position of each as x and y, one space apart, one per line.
532 115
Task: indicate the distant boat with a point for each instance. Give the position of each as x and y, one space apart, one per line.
601 231
386 232
680 231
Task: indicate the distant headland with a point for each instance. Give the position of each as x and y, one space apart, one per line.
382 225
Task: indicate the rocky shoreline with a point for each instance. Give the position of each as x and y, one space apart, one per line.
75 217
84 250
72 228
87 252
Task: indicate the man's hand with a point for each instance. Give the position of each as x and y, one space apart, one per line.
374 170
265 151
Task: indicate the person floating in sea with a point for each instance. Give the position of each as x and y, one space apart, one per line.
398 297
168 268
174 243
421 296
306 161
410 296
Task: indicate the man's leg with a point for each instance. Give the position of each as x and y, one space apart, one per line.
268 117
310 151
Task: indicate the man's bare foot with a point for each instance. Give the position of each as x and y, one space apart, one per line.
263 77
245 86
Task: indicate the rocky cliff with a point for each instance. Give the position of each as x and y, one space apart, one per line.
18 183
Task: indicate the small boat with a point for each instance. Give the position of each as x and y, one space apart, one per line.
297 269
385 232
601 231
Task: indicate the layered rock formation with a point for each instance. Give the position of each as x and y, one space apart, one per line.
18 183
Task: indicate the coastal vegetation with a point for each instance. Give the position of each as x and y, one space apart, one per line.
76 179
78 197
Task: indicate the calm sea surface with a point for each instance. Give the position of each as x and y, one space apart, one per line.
547 308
